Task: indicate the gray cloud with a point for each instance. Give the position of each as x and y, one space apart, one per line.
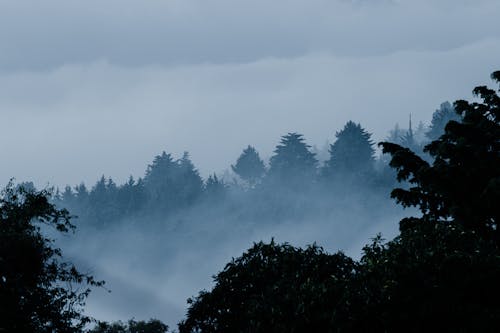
80 121
45 35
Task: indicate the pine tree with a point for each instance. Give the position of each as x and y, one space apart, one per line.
159 181
171 183
249 166
352 154
190 184
292 162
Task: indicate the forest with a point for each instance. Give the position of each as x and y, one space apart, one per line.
439 272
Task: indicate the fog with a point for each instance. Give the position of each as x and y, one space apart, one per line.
153 265
92 88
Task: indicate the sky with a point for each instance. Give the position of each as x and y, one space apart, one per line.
100 87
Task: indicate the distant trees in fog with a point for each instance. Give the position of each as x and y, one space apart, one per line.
170 185
292 163
249 166
352 155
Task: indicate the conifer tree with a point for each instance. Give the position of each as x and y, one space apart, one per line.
352 154
249 166
292 162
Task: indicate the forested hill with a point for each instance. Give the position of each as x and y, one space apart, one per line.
296 172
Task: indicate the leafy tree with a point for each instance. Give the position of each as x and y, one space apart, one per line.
249 166
433 277
274 288
440 118
441 272
133 326
292 163
352 154
463 182
38 291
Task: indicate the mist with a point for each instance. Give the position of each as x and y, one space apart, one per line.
93 92
153 265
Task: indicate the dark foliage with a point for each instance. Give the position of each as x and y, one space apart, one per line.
39 292
352 155
433 277
132 326
463 182
275 288
292 163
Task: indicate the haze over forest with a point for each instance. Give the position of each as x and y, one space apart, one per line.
179 133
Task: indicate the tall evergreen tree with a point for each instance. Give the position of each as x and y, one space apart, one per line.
352 154
131 196
103 206
172 183
190 184
159 180
249 166
292 162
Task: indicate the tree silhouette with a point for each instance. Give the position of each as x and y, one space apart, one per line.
172 184
351 155
274 288
132 326
249 166
38 291
292 163
463 182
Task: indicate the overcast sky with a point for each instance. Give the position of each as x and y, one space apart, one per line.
99 87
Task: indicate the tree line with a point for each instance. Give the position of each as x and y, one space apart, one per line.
170 185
